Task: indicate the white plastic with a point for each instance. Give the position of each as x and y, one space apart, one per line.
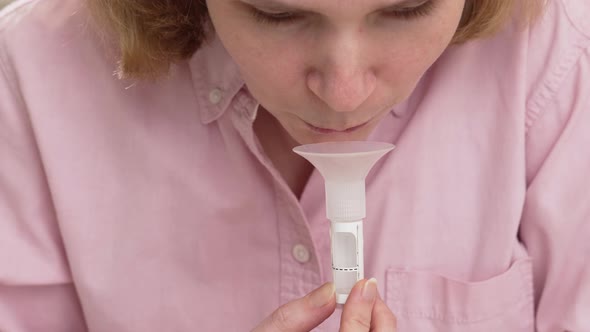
344 166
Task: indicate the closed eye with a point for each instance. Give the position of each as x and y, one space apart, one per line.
275 18
424 8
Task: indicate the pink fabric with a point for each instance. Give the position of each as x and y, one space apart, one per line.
135 206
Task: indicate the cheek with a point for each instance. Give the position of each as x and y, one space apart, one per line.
271 74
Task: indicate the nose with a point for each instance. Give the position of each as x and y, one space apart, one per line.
342 78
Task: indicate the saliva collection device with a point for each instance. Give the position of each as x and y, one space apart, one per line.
344 167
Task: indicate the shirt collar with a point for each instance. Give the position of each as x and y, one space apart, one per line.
216 79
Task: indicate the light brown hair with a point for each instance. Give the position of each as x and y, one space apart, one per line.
152 34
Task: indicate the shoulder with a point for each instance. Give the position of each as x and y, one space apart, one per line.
21 18
534 78
14 12
527 58
559 73
12 19
37 34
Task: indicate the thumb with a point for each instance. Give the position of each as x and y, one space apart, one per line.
302 314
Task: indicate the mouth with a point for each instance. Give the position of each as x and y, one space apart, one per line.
322 130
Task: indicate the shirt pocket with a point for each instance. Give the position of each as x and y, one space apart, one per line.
424 302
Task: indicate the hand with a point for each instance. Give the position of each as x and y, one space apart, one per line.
364 311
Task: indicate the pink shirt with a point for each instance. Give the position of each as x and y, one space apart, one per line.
135 207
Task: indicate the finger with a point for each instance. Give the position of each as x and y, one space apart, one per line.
303 314
357 311
382 319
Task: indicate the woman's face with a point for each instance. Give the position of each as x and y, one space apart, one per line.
329 70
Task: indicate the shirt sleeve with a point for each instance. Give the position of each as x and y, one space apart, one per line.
36 289
556 222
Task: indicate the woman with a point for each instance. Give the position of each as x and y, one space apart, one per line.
168 199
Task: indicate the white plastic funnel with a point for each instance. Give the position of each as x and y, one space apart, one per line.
344 166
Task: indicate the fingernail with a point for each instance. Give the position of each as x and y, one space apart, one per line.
322 296
370 289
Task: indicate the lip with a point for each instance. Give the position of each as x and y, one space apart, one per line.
335 131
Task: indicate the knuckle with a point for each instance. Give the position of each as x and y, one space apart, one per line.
282 320
355 323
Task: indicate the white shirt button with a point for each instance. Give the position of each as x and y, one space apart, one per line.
215 96
301 253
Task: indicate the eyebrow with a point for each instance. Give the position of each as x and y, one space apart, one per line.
278 5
